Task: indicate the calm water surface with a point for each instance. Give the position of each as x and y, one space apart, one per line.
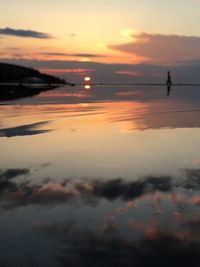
101 177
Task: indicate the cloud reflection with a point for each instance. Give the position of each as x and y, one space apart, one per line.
153 233
157 247
7 176
91 192
24 130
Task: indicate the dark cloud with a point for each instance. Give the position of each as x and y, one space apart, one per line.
54 193
24 33
50 193
12 173
24 130
72 55
162 48
90 192
55 54
119 188
193 224
74 35
14 48
88 55
192 179
6 177
156 248
80 242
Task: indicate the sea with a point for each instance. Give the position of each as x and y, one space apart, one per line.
101 176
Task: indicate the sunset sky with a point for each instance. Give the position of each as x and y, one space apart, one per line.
114 31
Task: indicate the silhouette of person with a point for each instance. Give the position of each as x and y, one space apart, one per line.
168 83
169 80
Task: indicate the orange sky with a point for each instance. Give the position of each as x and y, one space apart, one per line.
110 32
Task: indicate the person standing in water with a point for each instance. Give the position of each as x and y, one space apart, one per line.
168 83
169 80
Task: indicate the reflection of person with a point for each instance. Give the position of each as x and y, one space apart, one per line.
169 81
168 90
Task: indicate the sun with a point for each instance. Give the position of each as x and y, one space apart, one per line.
87 79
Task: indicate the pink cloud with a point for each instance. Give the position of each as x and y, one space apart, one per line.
134 225
159 48
196 200
127 93
129 73
65 94
66 70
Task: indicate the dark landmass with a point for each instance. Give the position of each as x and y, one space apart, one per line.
19 82
17 74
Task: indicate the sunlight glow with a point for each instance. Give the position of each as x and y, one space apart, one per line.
87 79
87 86
129 33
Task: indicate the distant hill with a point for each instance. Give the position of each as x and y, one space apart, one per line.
19 82
10 73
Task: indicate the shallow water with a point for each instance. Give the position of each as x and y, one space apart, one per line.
102 177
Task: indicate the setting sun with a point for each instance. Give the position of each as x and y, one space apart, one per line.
87 79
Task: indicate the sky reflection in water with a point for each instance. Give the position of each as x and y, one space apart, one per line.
86 181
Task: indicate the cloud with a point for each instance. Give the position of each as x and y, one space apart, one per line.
196 200
24 130
128 190
159 48
24 33
50 193
6 177
88 55
192 224
127 93
119 188
156 247
75 71
74 34
12 173
91 192
192 179
129 73
137 238
44 194
24 192
153 115
72 54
